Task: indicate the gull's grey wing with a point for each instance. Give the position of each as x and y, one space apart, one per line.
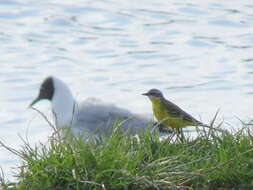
98 117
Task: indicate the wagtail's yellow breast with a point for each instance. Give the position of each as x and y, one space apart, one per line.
158 110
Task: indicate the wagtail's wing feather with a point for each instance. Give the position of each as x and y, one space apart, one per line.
177 112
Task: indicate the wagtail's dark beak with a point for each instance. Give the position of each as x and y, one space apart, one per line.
145 94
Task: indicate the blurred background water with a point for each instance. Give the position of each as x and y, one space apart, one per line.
199 53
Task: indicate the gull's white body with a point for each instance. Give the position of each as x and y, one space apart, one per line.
91 116
62 104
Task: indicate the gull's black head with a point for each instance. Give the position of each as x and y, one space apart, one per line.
154 93
46 91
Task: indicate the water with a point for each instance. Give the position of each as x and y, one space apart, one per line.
198 53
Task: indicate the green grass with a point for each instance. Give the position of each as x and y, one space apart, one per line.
213 160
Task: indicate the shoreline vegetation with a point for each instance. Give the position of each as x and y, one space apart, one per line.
211 160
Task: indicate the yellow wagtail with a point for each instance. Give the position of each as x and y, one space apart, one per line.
168 113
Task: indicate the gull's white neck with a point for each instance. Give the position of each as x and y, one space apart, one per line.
62 104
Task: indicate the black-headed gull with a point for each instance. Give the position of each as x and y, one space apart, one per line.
89 116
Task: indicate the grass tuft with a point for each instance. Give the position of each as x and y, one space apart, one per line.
212 160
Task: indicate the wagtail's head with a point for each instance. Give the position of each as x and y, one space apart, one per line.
154 93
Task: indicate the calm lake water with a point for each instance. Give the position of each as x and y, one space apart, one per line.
199 53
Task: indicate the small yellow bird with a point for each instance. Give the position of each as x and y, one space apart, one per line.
168 113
